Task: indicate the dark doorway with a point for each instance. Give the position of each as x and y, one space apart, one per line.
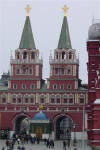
63 128
18 123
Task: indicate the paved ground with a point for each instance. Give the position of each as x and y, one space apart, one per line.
42 146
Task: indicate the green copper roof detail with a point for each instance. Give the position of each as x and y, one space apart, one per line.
64 40
27 40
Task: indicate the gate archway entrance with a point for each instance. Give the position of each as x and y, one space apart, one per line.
20 124
63 128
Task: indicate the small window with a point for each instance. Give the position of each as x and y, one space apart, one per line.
54 86
14 100
81 100
65 100
23 86
61 86
26 100
30 71
17 71
32 86
62 71
56 56
18 55
3 100
24 70
58 100
42 100
56 71
32 100
25 55
63 55
19 100
14 86
69 86
69 71
70 55
71 100
52 100
32 55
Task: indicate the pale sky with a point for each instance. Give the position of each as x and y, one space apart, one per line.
46 18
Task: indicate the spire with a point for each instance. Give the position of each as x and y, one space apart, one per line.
27 40
64 40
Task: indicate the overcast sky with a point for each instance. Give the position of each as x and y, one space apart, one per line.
46 20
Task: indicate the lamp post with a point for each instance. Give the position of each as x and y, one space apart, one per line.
74 141
83 142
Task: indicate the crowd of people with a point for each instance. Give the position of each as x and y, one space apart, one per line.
21 139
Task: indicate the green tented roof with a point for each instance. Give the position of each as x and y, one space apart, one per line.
64 40
27 40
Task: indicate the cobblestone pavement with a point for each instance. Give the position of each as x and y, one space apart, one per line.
42 146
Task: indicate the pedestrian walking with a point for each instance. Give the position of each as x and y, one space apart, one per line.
64 145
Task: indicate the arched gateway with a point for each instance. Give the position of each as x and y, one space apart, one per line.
20 123
63 126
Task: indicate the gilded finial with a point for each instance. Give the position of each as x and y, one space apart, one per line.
65 10
41 107
28 9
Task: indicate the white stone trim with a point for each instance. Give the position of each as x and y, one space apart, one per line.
37 70
74 70
97 101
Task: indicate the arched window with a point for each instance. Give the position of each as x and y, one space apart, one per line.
69 70
52 99
61 86
31 100
81 100
32 86
70 55
19 100
69 86
26 100
42 99
54 86
62 71
32 55
56 55
30 71
23 86
18 71
56 71
14 100
71 100
25 55
65 99
3 100
14 86
18 55
58 99
63 55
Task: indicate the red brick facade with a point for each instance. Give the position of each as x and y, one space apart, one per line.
63 95
93 48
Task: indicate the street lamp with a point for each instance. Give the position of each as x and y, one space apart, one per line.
74 141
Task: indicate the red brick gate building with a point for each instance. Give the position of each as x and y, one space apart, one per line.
24 89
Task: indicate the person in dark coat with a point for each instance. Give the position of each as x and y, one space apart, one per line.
64 145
